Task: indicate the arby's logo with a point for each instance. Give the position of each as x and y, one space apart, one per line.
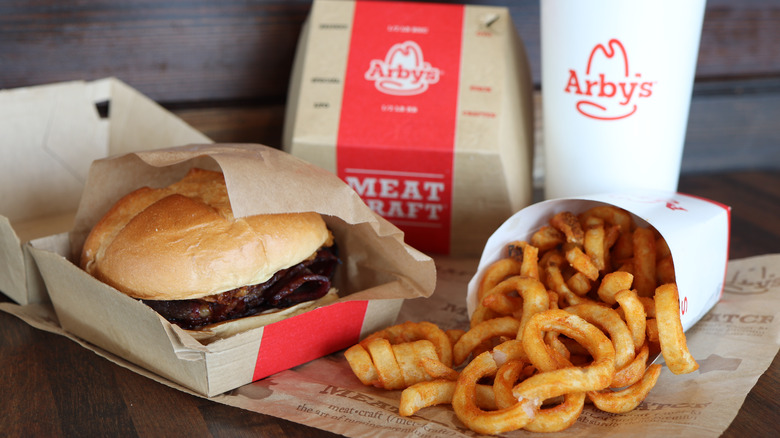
607 88
403 72
670 203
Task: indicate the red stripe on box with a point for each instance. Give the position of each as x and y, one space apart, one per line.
309 336
728 237
396 135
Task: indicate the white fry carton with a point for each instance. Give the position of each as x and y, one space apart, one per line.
695 229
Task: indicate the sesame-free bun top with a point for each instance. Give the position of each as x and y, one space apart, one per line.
182 241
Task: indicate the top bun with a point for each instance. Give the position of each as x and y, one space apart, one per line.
182 241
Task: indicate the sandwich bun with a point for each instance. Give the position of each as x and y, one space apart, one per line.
183 242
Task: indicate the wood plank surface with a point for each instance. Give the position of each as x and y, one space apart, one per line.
172 51
733 125
733 130
195 54
196 50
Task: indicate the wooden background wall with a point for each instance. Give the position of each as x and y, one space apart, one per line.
224 65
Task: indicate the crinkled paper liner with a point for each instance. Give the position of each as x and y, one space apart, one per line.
734 344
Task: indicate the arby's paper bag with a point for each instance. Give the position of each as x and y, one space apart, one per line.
424 109
695 229
378 271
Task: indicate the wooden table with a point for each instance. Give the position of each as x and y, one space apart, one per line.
53 387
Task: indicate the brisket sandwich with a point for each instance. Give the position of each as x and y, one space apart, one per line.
181 251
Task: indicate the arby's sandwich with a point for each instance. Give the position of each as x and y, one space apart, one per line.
208 264
181 251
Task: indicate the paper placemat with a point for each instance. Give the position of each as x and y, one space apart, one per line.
734 344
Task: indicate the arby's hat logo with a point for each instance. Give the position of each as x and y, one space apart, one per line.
403 72
608 89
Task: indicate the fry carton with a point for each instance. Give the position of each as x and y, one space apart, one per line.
50 135
695 229
378 272
424 109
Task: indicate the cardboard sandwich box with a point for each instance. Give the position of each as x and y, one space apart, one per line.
49 135
424 109
377 271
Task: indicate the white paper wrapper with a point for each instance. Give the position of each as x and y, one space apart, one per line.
696 230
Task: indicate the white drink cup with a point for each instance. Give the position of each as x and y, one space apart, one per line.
617 77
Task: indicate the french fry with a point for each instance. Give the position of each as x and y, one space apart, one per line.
670 332
567 223
644 261
573 313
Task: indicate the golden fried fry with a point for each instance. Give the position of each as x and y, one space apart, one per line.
626 400
670 332
506 377
664 270
489 422
437 392
415 331
613 283
596 246
498 272
567 223
644 261
582 263
609 321
559 417
528 256
634 315
362 365
579 284
547 238
492 328
425 394
437 370
530 292
631 373
620 218
573 314
390 375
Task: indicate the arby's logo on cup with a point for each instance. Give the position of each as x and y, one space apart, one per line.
607 88
403 72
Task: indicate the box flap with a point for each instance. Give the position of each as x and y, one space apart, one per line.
115 322
51 134
376 265
12 275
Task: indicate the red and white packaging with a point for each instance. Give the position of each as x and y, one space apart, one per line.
378 271
50 134
696 230
424 109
